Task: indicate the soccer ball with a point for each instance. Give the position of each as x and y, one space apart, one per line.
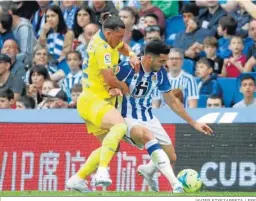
190 180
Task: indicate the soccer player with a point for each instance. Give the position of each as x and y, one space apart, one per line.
96 106
144 130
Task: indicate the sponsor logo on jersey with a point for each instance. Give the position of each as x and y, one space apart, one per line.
107 58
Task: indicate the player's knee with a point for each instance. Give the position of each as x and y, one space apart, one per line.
146 136
119 130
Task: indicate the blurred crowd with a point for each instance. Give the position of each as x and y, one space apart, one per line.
43 49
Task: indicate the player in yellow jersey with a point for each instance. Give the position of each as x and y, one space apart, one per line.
96 106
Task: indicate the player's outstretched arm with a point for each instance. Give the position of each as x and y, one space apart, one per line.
175 104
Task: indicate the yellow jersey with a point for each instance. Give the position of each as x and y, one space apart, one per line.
100 56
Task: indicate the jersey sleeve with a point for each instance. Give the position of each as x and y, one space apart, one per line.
124 69
164 85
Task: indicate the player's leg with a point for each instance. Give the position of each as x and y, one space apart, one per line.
92 162
142 135
94 110
160 156
78 181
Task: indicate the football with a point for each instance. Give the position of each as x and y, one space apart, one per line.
190 180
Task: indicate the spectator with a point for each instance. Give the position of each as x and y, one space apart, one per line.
48 85
249 6
41 57
189 11
69 11
243 18
37 76
6 98
180 80
25 102
5 28
191 41
10 48
250 42
210 16
250 64
26 9
151 33
55 34
130 17
210 49
208 84
234 65
38 19
8 80
148 8
226 29
83 16
75 93
214 101
23 33
88 33
74 60
102 6
56 99
247 88
149 20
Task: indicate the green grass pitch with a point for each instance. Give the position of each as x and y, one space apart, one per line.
122 194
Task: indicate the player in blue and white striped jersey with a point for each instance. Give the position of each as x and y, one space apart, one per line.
144 130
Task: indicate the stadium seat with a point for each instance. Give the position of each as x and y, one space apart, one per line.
228 86
238 96
173 25
202 101
189 66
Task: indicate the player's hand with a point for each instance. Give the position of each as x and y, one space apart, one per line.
115 92
203 128
135 63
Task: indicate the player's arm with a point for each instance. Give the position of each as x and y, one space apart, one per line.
106 68
125 50
112 81
174 103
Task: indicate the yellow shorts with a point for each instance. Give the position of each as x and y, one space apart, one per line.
92 109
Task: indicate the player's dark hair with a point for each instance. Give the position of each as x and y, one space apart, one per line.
157 47
110 21
28 102
6 93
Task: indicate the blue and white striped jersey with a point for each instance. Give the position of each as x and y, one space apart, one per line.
69 82
138 103
184 81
